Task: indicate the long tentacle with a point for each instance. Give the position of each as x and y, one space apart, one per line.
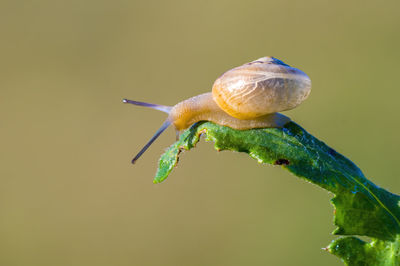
162 108
164 126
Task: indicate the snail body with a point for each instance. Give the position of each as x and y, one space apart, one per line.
245 97
203 108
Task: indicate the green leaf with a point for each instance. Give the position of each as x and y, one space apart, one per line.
361 207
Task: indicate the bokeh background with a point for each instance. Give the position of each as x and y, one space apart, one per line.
68 193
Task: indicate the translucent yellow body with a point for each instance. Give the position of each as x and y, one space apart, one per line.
203 107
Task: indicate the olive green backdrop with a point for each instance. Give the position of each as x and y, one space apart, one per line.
68 193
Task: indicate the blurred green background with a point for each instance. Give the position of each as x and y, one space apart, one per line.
68 193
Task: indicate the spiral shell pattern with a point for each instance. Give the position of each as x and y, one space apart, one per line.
264 86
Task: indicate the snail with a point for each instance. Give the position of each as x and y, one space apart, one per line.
245 97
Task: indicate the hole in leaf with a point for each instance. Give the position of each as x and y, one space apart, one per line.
282 162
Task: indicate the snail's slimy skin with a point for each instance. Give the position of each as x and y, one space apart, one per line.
203 107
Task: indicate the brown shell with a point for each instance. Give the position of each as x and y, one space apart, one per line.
264 86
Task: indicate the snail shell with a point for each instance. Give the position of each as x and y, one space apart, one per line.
264 86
